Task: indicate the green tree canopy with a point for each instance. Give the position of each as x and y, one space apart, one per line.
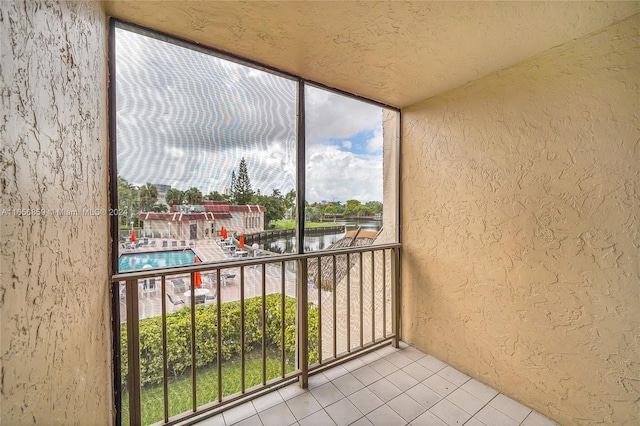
128 202
290 203
351 207
193 196
215 196
174 197
159 208
241 188
148 197
274 204
375 206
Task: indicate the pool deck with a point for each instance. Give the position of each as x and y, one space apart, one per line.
208 250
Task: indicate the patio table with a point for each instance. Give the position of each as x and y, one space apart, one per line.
200 294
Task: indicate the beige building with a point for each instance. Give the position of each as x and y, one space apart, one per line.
520 186
204 221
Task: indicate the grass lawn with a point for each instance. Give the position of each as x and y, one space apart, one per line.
290 224
206 386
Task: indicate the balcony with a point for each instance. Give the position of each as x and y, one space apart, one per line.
324 352
281 319
519 188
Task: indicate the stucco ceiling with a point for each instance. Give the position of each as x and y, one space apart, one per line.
394 52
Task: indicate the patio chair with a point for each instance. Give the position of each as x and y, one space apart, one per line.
211 279
165 243
175 302
227 277
174 244
150 287
211 296
178 285
183 243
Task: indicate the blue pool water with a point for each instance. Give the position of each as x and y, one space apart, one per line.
156 259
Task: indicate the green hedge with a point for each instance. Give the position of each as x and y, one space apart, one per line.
179 336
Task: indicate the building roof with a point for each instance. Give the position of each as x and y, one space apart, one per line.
212 210
183 217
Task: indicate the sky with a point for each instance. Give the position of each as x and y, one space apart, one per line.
186 119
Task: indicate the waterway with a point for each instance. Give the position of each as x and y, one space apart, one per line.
318 242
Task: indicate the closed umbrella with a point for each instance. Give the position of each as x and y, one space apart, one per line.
197 278
133 235
223 233
241 243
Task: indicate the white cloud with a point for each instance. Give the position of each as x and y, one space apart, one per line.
375 143
174 152
346 144
333 174
330 115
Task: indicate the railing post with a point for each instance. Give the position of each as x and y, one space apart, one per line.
133 353
303 326
394 298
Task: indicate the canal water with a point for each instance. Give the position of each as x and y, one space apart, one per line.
318 242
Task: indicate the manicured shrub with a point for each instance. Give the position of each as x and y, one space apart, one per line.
179 336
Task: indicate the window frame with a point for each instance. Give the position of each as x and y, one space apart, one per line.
300 127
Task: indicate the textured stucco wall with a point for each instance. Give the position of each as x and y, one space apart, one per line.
389 232
54 294
521 228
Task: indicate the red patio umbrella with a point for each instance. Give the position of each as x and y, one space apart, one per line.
223 233
241 243
197 278
133 235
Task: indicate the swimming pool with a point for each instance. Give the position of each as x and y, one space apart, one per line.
155 259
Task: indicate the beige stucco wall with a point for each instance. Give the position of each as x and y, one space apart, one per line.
389 232
521 228
54 294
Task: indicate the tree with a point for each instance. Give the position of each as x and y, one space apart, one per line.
214 196
290 203
174 197
351 207
375 206
148 197
232 197
333 209
193 196
274 205
128 202
242 192
159 208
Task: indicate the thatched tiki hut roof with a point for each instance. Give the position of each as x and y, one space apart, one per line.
355 238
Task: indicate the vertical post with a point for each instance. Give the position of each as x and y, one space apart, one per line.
303 326
133 352
219 334
264 323
165 368
373 297
335 327
194 400
242 345
301 172
361 255
348 302
282 317
394 298
319 284
384 294
302 290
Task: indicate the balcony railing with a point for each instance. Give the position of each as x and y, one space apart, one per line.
253 324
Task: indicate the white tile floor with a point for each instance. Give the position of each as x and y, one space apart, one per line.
386 387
